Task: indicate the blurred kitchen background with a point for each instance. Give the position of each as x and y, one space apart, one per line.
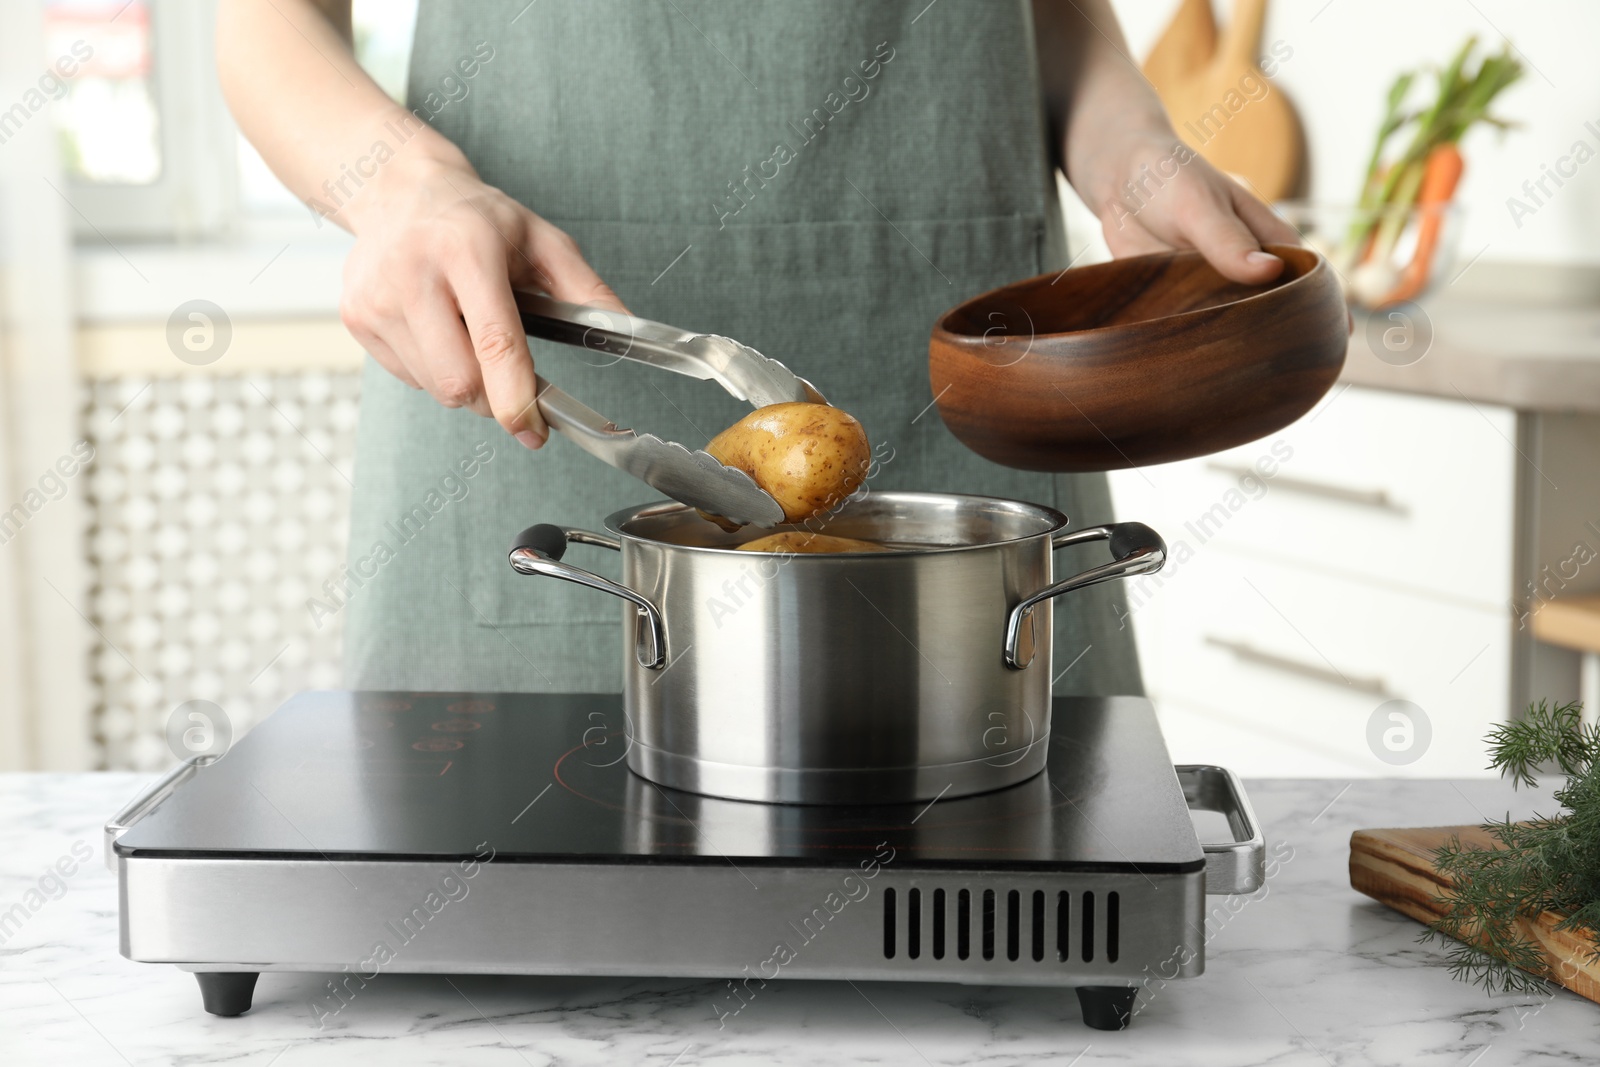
1365 593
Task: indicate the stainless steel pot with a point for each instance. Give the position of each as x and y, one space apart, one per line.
879 677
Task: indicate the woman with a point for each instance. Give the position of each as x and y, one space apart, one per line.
818 178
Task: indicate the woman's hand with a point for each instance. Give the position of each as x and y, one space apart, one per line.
1152 193
428 287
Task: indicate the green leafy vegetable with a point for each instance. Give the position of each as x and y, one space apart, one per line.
1546 864
1388 190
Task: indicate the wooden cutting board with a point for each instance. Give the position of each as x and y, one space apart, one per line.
1395 867
1185 46
1225 108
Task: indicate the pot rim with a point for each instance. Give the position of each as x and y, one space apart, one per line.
1057 519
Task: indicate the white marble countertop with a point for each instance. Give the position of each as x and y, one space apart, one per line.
1306 971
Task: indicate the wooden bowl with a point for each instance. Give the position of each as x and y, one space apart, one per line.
1142 360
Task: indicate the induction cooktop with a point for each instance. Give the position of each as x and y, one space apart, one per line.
364 832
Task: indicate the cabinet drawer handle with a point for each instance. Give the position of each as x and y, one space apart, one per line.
1372 498
1251 654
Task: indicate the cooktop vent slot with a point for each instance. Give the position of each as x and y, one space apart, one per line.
1013 925
888 923
988 924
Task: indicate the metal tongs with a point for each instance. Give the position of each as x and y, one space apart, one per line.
691 476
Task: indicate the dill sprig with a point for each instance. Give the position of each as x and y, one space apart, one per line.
1548 863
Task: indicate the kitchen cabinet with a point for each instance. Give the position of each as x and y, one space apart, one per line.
1388 547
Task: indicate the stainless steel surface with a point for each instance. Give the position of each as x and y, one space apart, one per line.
688 475
1249 653
745 373
649 635
1016 821
601 918
148 800
691 476
1145 557
1237 866
586 537
296 855
855 678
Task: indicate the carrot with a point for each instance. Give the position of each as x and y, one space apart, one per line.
1440 176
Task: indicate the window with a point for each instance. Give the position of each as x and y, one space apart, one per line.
147 144
106 109
383 30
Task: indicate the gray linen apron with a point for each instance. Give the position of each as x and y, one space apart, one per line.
818 178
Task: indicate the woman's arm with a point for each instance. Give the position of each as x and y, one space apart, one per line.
427 287
1108 126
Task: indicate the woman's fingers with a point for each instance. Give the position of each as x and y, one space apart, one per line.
385 356
563 272
1263 222
1125 236
1196 207
1207 219
501 348
429 293
373 328
440 352
391 362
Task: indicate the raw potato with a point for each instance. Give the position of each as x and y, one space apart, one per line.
810 457
801 541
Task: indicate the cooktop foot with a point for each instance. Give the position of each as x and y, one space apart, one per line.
227 993
1107 1007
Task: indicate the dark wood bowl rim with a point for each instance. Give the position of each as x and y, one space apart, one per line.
1319 266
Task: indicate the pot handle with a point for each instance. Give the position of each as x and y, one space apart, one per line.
1135 548
538 550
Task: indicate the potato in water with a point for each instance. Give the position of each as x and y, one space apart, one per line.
809 457
803 541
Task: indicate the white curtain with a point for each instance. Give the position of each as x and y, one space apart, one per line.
45 689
